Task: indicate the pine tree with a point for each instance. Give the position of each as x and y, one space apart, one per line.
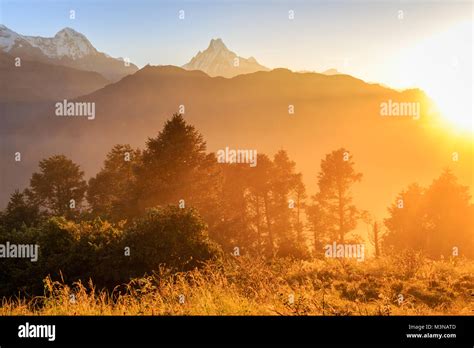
333 202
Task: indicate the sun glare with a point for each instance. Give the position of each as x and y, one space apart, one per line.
441 65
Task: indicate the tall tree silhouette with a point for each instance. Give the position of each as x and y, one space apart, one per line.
111 193
273 194
437 220
287 195
375 238
19 211
333 203
260 187
406 221
300 196
59 187
176 168
238 226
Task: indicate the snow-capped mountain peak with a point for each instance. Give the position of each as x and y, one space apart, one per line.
67 31
67 47
7 38
218 60
217 44
66 43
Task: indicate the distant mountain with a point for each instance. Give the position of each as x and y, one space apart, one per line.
68 48
249 111
331 72
218 60
35 81
328 72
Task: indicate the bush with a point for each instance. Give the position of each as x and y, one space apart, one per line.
69 251
169 236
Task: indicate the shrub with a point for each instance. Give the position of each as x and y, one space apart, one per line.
67 250
169 236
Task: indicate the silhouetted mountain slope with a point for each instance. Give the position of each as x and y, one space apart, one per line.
252 112
36 81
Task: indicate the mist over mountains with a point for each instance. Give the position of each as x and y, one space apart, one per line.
308 114
214 158
35 81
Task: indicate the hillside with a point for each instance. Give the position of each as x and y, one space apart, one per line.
252 111
36 81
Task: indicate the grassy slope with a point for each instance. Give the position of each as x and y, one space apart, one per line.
251 287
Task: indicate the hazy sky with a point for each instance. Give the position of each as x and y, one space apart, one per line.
366 39
322 34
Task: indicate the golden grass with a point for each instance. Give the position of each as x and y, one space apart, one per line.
245 286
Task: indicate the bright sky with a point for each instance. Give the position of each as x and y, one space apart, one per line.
399 43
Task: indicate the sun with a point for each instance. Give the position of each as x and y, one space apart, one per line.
441 65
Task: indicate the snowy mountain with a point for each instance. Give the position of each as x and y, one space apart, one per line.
68 48
66 42
218 60
8 38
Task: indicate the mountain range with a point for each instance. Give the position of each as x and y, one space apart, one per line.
67 48
249 110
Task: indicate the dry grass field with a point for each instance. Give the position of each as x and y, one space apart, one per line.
407 284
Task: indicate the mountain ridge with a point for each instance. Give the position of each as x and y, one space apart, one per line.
39 81
248 111
68 48
218 60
